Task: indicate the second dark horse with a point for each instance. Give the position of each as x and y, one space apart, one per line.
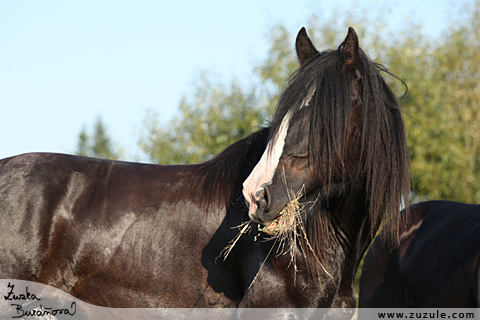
435 265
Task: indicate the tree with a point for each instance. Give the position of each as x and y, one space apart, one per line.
443 122
215 117
98 144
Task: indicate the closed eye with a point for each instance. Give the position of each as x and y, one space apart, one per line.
298 156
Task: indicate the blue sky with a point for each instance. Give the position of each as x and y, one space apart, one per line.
64 63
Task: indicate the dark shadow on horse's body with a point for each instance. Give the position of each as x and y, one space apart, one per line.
436 264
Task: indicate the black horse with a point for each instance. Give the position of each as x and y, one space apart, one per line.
436 263
124 234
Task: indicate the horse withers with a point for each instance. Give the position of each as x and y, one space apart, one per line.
122 234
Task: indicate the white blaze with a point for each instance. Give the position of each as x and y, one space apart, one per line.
264 171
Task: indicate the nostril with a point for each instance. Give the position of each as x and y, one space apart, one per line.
261 199
266 195
259 193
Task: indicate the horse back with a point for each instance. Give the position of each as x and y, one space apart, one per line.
381 284
435 262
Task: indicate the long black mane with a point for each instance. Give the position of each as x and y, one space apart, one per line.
365 147
383 163
223 175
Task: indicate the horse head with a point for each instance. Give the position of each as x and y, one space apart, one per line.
337 125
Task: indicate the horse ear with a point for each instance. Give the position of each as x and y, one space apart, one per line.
304 47
350 51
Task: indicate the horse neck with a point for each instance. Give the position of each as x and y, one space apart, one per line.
353 229
221 178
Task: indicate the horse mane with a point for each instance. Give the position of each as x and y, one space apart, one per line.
357 154
373 155
222 176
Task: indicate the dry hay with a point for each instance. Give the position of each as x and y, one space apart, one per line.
286 229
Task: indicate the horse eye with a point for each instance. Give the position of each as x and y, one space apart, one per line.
296 156
301 155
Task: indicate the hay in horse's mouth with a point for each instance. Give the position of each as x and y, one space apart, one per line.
285 221
287 225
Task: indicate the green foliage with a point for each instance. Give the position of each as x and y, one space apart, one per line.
443 103
98 144
280 63
211 120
